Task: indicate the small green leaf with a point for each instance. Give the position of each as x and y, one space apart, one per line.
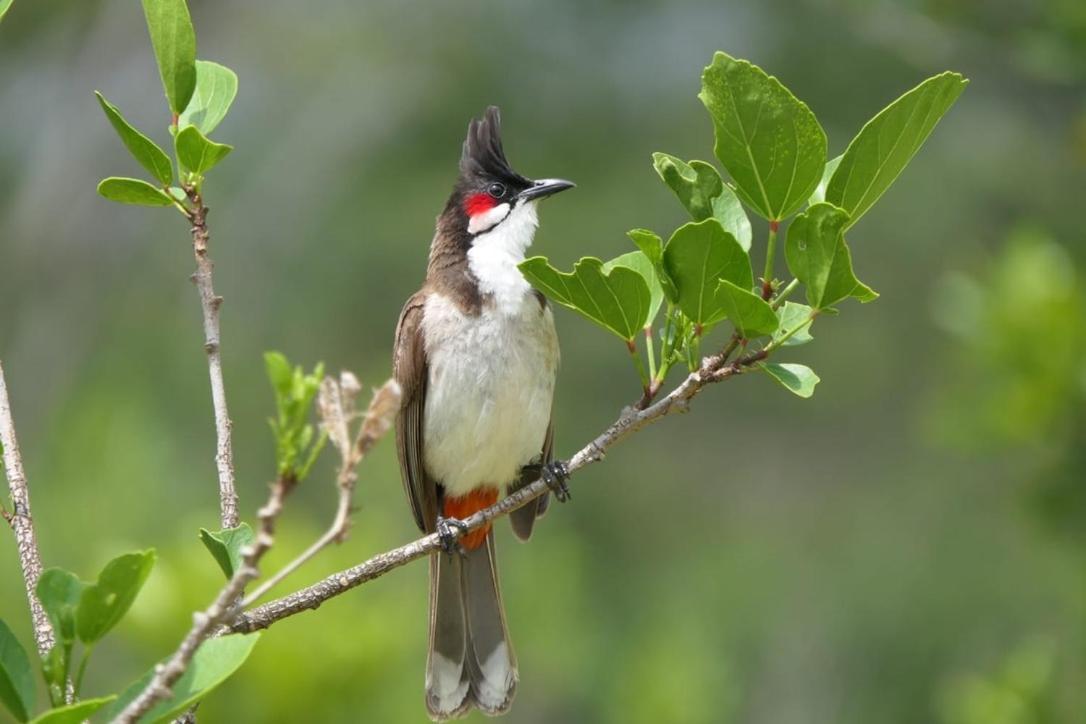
216 87
5 5
640 263
618 302
750 314
16 676
652 246
279 372
819 194
728 210
73 713
818 256
798 379
196 152
142 148
132 191
795 316
174 42
213 663
886 144
59 592
695 183
105 602
696 258
225 545
770 142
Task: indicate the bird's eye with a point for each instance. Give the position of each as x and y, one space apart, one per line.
496 190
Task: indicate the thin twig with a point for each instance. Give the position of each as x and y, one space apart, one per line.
22 523
220 612
210 303
713 369
337 410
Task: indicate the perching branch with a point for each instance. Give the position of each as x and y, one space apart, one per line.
713 369
22 523
210 303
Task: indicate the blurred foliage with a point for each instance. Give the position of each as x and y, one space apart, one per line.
844 582
1017 693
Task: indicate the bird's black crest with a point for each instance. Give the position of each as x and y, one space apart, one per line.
483 154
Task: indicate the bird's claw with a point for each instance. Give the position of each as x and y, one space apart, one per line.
449 531
555 474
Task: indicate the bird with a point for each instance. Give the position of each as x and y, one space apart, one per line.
476 356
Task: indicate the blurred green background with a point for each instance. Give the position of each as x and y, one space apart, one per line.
907 546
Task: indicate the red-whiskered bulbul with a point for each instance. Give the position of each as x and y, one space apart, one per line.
476 355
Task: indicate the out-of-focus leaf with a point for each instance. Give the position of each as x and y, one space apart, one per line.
16 676
619 301
196 152
226 544
750 314
770 142
105 602
174 41
818 256
279 372
696 258
132 191
5 5
59 592
792 316
886 144
797 379
73 713
216 87
641 264
819 194
142 148
213 663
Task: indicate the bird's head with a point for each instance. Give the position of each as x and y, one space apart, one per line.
488 191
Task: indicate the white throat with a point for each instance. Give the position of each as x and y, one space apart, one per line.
494 255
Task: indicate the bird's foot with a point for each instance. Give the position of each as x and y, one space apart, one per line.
555 474
449 531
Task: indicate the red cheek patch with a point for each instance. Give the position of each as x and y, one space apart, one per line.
479 204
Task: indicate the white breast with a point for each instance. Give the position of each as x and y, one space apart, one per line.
491 382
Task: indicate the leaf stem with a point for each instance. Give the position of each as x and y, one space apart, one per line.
784 294
82 669
631 345
774 344
770 254
650 348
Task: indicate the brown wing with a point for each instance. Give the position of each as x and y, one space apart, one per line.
409 367
523 519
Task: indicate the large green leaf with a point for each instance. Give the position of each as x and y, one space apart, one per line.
795 316
226 544
619 302
749 313
696 258
213 663
104 602
196 152
132 191
797 379
819 194
640 263
174 42
59 592
652 246
770 142
16 676
886 144
216 87
73 713
818 256
142 148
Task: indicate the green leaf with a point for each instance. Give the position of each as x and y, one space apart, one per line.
728 210
213 663
798 379
16 676
142 148
886 144
749 313
132 191
279 372
196 152
105 602
216 87
695 183
818 256
5 5
618 301
793 316
73 713
174 42
819 194
640 263
225 545
652 246
59 592
696 258
770 142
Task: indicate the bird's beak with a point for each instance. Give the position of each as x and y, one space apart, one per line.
545 187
